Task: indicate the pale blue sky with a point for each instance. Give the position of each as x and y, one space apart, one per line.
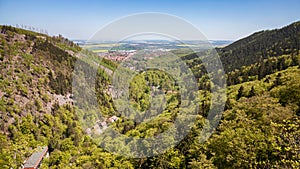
216 19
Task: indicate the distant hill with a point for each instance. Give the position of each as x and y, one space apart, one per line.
255 56
261 45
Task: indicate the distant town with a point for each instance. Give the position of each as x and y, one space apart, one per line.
119 51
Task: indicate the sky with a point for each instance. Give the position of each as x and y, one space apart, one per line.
216 19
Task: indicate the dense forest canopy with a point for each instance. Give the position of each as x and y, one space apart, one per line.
259 127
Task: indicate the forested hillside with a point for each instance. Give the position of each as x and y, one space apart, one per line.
255 56
259 127
261 45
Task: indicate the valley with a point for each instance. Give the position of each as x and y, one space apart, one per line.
40 106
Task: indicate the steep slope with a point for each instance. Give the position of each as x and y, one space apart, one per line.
36 105
261 45
35 72
255 56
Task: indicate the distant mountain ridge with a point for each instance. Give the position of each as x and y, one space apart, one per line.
255 56
261 45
